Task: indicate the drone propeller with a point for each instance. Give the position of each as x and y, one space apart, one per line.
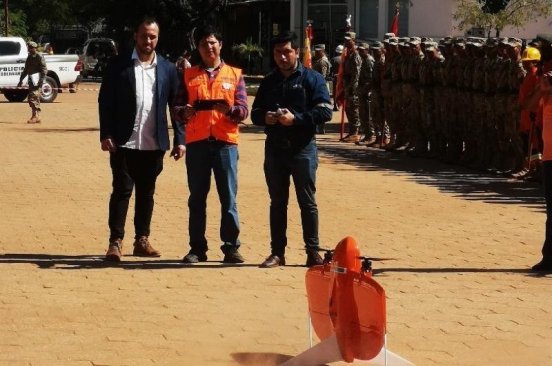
375 259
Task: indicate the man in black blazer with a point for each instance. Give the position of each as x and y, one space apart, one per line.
133 99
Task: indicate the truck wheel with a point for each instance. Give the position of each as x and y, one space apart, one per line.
15 96
49 90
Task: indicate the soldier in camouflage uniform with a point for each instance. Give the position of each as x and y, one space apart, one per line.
377 99
429 81
34 64
477 126
503 160
413 116
364 90
387 87
516 75
489 146
321 64
351 73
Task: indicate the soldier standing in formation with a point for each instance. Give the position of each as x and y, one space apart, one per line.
351 73
364 90
322 65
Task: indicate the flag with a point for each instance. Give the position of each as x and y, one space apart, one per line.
395 22
307 56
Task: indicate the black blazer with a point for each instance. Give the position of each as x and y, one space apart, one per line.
117 101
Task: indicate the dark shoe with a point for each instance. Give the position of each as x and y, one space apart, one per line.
192 257
143 248
273 261
114 251
232 256
543 266
313 258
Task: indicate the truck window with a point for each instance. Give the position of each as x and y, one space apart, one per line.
8 48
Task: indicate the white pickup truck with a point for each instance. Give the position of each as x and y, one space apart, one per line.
63 70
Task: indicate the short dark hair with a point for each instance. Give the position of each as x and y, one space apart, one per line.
285 37
206 31
147 20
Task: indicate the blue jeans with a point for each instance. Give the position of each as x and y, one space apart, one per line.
202 158
547 182
279 165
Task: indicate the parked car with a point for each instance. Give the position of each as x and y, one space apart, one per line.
63 70
95 54
73 51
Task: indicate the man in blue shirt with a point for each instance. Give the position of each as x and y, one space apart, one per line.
290 102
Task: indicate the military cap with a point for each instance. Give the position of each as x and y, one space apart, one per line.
516 42
32 44
491 42
319 47
376 45
393 41
427 39
430 47
545 37
349 35
388 35
447 38
414 42
339 49
503 41
363 46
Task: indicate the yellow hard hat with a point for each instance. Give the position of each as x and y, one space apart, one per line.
531 54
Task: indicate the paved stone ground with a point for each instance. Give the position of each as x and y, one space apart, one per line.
459 292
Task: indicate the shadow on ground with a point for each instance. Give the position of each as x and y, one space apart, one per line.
54 261
452 179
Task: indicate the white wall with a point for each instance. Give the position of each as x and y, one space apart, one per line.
431 18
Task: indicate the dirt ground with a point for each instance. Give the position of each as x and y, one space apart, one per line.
458 292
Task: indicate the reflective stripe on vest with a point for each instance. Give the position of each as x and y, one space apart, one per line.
211 124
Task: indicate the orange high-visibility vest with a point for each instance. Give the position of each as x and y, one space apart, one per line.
211 124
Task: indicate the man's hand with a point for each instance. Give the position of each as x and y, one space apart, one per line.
178 152
108 145
285 117
271 118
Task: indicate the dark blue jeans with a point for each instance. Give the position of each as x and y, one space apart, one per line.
133 168
279 166
547 182
222 159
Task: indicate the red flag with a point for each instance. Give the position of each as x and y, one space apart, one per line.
307 56
395 22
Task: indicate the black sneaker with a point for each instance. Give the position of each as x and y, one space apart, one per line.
192 257
233 256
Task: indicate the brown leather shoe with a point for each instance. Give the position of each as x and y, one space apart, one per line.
273 261
143 248
313 258
351 138
114 251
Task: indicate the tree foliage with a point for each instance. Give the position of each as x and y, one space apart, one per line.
248 51
17 24
498 14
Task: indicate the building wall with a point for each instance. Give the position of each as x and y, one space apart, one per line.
431 18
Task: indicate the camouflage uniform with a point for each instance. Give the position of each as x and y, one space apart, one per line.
378 103
351 73
322 65
477 128
364 89
413 116
34 64
515 79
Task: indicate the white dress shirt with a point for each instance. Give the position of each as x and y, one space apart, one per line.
144 133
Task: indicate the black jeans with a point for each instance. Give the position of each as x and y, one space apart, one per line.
131 168
547 182
279 166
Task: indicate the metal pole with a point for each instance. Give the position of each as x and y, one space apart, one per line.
6 27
